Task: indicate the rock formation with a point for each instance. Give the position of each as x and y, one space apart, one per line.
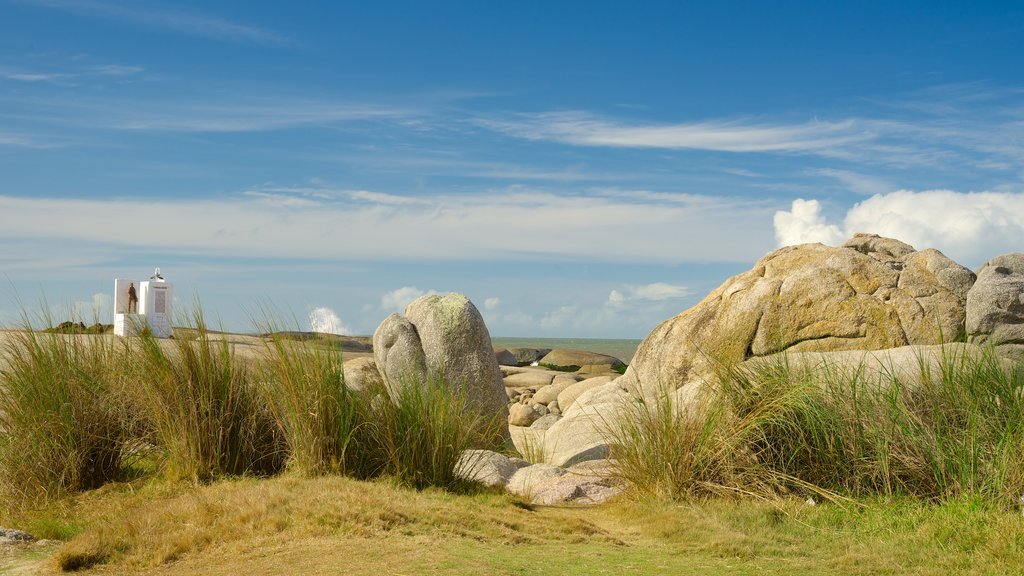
871 293
444 338
995 305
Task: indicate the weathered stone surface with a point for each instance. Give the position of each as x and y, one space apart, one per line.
398 353
582 432
995 305
549 394
572 488
872 293
910 365
361 373
525 479
457 347
526 356
504 357
531 379
527 441
565 357
570 393
544 422
522 415
487 467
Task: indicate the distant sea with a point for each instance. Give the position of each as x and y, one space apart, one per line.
623 349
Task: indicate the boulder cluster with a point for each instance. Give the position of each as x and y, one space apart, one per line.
873 301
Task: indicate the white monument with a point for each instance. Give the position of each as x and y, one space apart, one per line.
143 305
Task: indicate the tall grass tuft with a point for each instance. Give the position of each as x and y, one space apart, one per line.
204 409
321 420
418 435
63 425
935 435
680 450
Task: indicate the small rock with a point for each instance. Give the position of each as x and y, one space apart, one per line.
522 415
12 536
544 422
554 408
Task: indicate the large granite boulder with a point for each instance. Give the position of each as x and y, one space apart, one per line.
398 353
584 431
441 337
487 467
871 293
909 365
995 305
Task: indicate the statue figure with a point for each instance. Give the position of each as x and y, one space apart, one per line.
133 298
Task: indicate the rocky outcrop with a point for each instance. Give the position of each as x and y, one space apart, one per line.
564 358
527 356
909 365
871 293
995 305
505 358
444 338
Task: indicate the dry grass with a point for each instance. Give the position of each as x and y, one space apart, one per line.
344 526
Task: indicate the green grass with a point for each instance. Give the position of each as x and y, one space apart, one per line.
204 407
319 417
63 414
771 429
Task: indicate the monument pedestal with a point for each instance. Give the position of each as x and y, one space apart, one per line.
149 310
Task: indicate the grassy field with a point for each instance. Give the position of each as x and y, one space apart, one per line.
204 455
335 525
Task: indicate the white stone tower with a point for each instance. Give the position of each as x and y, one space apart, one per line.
151 307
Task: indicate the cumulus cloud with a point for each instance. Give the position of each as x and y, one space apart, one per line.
399 298
492 303
804 223
326 321
969 227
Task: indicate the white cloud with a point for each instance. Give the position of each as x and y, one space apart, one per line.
492 303
510 224
804 223
585 129
326 321
969 227
399 298
656 292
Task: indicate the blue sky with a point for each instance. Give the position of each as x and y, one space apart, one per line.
576 168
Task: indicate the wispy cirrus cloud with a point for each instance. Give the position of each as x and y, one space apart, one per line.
169 18
198 114
22 75
511 224
585 129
